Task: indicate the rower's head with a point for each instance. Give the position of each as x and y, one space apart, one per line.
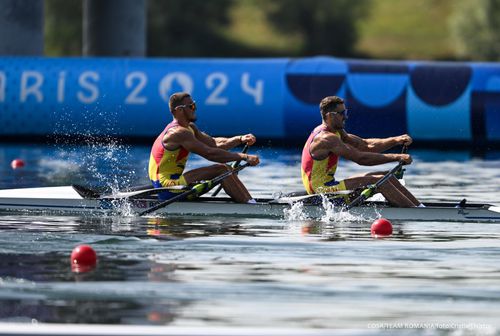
182 106
333 112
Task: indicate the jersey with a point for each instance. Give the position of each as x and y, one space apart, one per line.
318 176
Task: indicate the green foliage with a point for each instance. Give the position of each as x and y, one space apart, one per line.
194 28
185 28
394 29
476 26
223 28
63 27
325 26
415 29
251 27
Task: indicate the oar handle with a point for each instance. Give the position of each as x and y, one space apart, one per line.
368 191
399 174
234 165
198 189
404 150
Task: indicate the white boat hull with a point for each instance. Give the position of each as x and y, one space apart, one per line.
67 200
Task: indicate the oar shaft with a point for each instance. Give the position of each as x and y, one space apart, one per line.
219 178
368 192
145 192
169 201
389 174
196 189
399 173
234 165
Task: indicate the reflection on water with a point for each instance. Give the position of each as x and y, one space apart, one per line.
209 271
161 228
223 271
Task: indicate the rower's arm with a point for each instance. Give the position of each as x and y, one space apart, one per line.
376 145
228 143
203 137
364 158
221 142
189 141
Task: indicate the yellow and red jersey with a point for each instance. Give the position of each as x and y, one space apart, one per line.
166 166
318 176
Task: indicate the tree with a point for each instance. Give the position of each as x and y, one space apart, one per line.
187 28
326 26
475 25
63 27
201 28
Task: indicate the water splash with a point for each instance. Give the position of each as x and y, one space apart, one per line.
296 212
337 213
122 208
105 164
332 212
102 159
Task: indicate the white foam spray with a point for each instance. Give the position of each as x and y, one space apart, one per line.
337 213
122 208
296 212
332 212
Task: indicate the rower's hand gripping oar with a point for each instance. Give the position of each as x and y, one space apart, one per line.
197 189
234 165
371 189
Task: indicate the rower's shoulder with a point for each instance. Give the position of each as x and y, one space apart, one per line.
329 137
178 134
179 129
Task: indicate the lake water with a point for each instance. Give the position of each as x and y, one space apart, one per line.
427 278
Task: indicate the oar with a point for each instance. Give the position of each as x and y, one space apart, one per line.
145 192
89 193
311 198
399 174
369 191
234 165
198 189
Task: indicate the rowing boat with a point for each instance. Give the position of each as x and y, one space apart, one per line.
71 199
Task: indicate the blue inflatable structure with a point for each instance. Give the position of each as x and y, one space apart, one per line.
274 98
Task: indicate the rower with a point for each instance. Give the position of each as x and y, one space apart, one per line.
329 141
171 149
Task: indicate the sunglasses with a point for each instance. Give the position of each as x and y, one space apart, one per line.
342 113
192 106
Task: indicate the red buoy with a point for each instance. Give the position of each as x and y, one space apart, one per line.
83 259
17 163
381 227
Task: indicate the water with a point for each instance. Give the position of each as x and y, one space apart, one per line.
428 278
